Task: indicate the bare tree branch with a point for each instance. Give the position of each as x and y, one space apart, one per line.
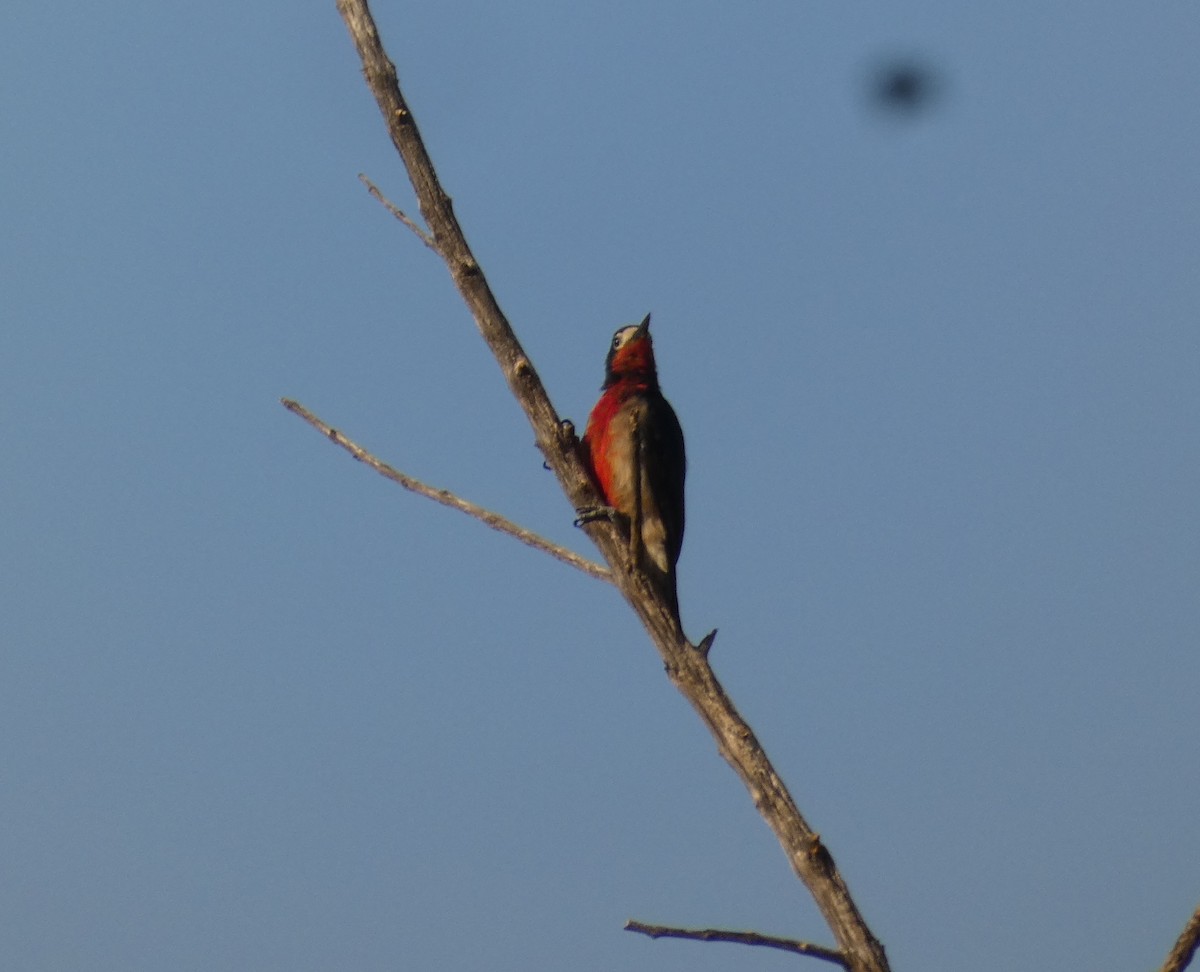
686 666
447 498
1185 948
395 210
740 938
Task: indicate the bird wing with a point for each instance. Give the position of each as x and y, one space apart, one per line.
664 462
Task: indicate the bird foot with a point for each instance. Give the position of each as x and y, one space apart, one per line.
590 514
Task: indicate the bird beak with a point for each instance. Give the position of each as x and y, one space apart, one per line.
644 327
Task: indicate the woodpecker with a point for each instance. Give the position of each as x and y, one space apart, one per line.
633 449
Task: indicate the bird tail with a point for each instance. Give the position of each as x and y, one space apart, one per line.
664 583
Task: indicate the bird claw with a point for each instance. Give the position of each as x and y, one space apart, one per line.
590 514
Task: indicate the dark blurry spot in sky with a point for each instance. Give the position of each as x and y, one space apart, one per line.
904 86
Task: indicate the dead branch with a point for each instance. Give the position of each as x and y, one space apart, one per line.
739 938
396 211
447 498
687 667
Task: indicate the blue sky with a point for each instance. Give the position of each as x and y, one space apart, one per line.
260 709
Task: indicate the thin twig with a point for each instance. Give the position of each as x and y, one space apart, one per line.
447 498
740 938
1181 955
398 212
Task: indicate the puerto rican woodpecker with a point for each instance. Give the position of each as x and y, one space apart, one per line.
633 449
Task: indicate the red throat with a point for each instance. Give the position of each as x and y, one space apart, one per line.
635 361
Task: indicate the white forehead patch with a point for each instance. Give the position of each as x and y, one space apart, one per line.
621 338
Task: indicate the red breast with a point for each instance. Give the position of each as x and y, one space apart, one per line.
628 371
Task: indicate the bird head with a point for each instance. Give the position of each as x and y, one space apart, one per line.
631 354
